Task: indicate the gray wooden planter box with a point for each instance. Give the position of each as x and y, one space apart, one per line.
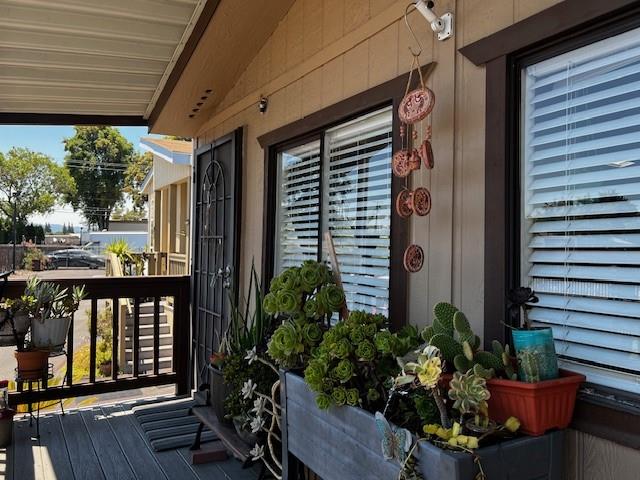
343 444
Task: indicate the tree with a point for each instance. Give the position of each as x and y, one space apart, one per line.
97 158
31 182
47 227
134 177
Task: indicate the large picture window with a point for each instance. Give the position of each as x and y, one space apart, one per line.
340 181
581 205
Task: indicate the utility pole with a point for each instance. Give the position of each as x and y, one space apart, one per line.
15 228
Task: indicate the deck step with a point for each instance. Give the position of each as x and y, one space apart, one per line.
146 365
148 330
147 352
147 307
147 340
147 319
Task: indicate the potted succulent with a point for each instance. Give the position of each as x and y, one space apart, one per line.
52 313
14 319
34 259
540 405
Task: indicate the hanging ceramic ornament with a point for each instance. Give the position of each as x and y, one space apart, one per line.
413 258
421 201
404 203
418 103
400 163
426 154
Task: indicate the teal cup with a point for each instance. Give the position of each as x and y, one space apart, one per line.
536 353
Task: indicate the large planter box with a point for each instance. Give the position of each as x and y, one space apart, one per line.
343 444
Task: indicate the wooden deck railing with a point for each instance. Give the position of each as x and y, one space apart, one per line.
177 264
114 289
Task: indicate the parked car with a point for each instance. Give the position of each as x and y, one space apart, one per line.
74 258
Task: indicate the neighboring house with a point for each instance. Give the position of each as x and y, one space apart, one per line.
168 187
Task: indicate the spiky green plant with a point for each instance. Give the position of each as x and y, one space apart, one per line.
528 361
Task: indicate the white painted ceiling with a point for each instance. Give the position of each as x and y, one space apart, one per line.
98 57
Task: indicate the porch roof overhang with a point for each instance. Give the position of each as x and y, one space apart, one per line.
87 61
162 63
173 151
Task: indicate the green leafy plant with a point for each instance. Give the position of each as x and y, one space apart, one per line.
303 299
33 254
355 359
249 324
127 257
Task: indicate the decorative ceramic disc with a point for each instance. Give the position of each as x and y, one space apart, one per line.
421 199
426 154
403 203
400 164
413 258
416 105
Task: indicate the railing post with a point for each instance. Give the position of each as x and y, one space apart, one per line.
181 338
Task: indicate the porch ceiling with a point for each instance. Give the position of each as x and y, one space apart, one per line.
234 36
91 57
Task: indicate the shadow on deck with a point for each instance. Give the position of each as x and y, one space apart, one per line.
103 442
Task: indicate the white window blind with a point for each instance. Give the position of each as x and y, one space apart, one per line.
298 205
354 177
581 205
357 207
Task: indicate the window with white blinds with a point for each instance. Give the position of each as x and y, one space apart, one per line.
581 205
354 176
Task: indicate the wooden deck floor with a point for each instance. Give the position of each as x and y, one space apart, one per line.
101 443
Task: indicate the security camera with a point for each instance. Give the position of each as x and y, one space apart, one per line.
263 104
443 25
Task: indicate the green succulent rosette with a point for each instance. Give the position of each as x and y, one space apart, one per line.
385 341
357 334
339 396
311 308
343 371
285 342
311 333
353 397
342 348
323 401
373 395
290 279
270 303
288 301
312 276
334 297
370 330
366 351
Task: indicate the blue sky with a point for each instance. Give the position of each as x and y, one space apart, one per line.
48 140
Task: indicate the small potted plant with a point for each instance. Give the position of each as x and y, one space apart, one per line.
52 313
539 404
18 322
34 259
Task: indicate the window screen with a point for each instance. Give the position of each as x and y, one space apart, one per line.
341 182
581 205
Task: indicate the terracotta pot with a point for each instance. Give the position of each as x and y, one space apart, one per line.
539 406
32 365
105 369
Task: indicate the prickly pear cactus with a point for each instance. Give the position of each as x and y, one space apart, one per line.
448 346
444 313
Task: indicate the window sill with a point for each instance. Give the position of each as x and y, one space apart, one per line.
608 413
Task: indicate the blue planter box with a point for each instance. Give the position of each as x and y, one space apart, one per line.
343 444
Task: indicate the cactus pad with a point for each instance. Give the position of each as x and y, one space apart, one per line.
427 333
462 364
447 345
444 312
489 360
461 324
